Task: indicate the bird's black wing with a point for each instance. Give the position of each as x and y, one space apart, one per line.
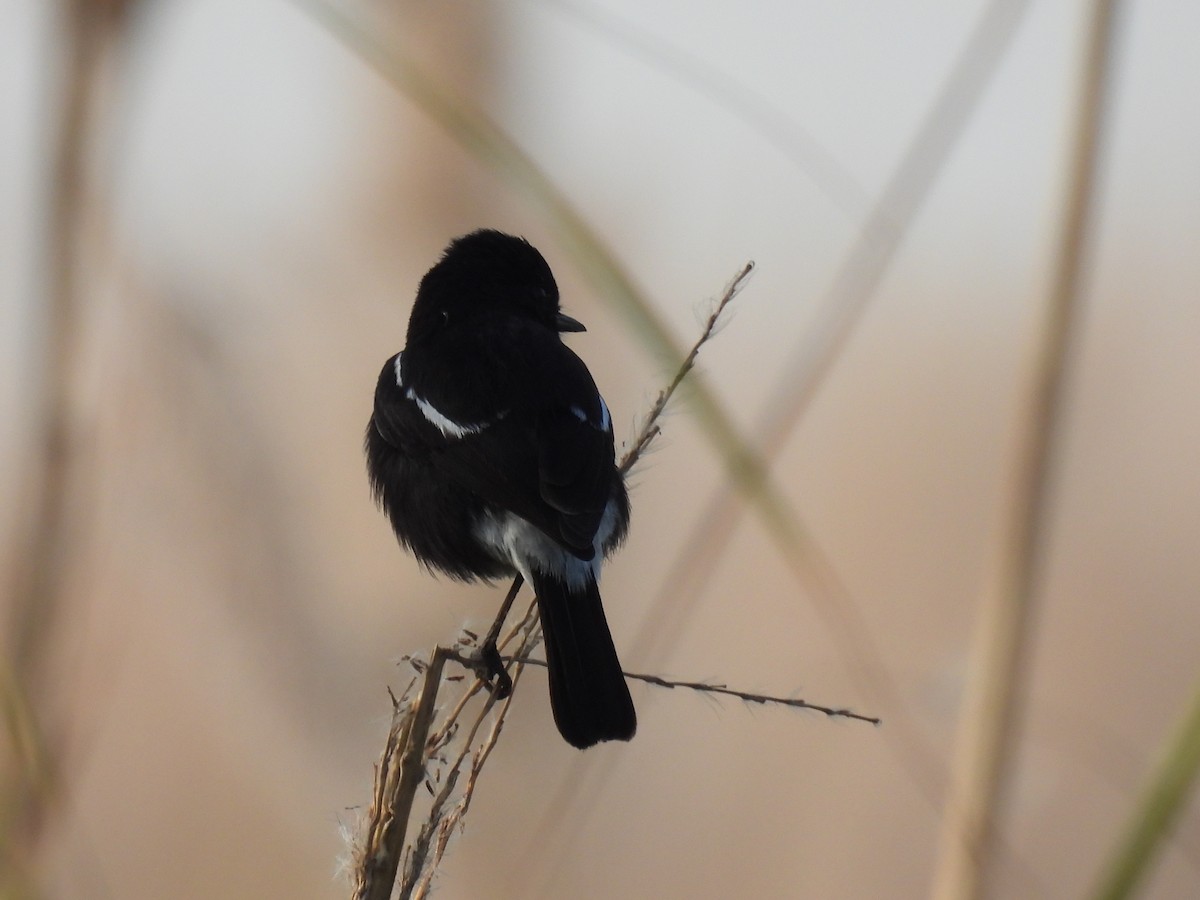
432 516
517 421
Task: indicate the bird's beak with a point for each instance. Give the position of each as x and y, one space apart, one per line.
566 323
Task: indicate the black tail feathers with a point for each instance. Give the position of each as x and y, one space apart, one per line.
588 694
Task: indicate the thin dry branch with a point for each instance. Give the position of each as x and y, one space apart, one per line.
749 696
650 429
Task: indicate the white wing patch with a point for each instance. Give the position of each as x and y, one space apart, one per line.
447 426
443 423
605 419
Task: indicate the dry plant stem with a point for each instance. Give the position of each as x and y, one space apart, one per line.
442 820
403 767
453 817
401 771
417 862
992 709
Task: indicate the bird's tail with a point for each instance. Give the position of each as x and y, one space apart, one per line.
588 694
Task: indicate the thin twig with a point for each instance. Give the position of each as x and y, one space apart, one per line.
749 696
650 429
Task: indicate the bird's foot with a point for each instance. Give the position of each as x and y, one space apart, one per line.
488 667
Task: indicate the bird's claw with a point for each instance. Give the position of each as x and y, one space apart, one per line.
488 666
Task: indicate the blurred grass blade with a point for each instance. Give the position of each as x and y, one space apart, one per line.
853 288
990 723
798 145
485 140
1165 797
476 133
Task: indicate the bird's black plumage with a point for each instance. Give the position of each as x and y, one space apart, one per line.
491 451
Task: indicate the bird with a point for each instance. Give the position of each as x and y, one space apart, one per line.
491 452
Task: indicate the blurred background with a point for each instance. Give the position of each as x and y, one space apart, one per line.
213 216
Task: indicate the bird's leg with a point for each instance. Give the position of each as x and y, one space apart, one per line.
487 657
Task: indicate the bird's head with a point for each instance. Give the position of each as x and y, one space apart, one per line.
487 274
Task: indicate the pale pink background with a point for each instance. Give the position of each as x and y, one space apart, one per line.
238 606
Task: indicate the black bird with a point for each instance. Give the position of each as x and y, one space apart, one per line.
491 451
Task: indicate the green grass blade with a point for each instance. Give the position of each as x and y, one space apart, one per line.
1164 798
